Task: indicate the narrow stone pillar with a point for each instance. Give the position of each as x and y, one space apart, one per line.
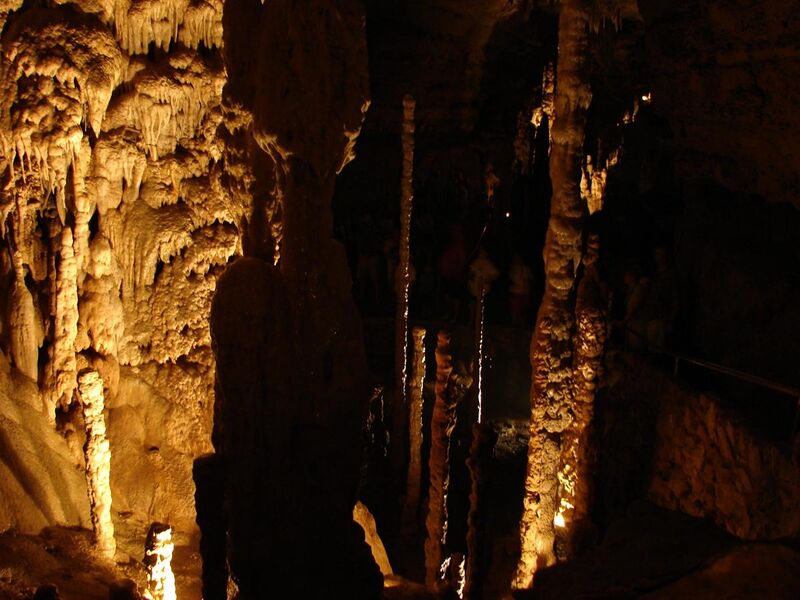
21 318
480 453
451 389
158 562
442 425
480 310
417 384
551 347
577 456
403 285
209 501
98 461
63 364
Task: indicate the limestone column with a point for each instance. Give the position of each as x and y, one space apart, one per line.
442 425
577 455
551 347
63 364
98 461
403 284
484 438
417 384
158 563
21 317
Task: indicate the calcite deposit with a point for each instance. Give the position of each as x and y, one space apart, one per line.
121 216
194 195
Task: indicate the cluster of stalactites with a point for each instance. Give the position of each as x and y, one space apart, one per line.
593 181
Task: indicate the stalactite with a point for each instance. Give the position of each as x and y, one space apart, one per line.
98 461
83 209
403 283
417 384
551 347
158 562
63 365
442 424
21 318
576 453
484 438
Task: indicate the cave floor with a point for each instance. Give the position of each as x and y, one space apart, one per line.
65 557
647 553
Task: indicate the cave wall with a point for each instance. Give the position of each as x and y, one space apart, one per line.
723 186
725 74
124 195
708 463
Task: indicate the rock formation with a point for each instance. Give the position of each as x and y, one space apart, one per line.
98 461
415 426
158 562
551 347
291 394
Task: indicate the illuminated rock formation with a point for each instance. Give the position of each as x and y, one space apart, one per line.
98 461
451 387
22 318
158 562
415 425
403 283
366 521
123 216
574 474
484 438
551 347
442 424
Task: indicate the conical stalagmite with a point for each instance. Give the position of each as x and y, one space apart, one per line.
98 461
22 320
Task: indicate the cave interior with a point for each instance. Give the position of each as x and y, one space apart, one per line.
479 299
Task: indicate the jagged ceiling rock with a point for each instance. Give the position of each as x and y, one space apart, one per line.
318 120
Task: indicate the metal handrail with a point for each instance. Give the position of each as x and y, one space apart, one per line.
741 375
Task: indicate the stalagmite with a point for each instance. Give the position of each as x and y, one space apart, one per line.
441 427
158 562
451 387
576 453
63 365
483 441
21 318
403 281
551 347
417 383
98 461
